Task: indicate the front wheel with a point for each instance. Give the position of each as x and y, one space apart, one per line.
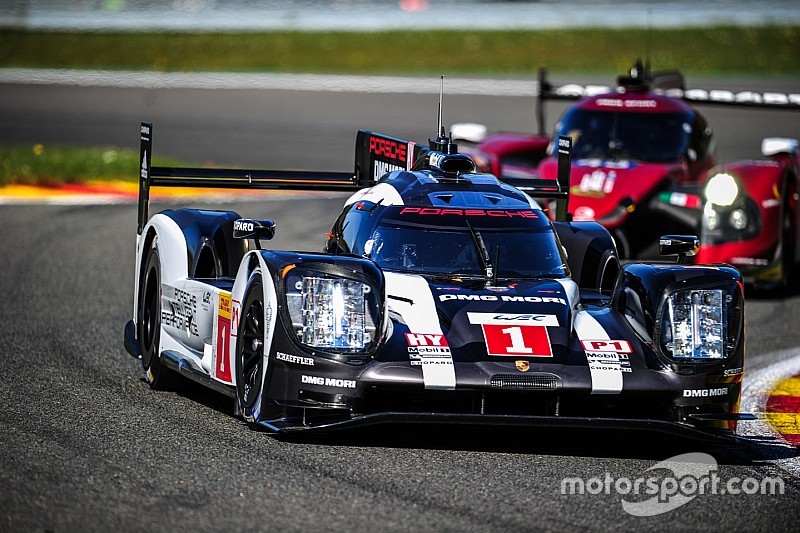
250 353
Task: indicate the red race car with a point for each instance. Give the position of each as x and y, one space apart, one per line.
643 165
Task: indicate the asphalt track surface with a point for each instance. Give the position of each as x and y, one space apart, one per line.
85 445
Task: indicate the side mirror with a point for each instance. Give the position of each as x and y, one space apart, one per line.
680 245
778 145
245 228
468 131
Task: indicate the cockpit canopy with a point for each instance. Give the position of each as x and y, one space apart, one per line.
520 243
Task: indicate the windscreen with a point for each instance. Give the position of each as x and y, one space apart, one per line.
518 243
655 137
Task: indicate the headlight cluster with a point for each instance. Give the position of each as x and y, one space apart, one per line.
722 190
729 215
332 312
694 325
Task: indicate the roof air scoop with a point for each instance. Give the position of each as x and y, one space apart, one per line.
451 163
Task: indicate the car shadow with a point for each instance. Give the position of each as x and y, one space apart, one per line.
555 441
600 443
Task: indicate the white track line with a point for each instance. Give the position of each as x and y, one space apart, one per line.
288 82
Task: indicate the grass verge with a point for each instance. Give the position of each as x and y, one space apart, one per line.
55 165
722 50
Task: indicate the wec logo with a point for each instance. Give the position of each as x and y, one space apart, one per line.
505 319
520 318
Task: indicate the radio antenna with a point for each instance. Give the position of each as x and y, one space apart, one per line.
647 42
440 128
443 142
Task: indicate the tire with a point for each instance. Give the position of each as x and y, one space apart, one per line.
609 272
149 324
249 365
622 243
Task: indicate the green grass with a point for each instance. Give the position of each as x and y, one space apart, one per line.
53 165
721 50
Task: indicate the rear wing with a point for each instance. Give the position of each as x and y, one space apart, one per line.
222 178
667 83
375 155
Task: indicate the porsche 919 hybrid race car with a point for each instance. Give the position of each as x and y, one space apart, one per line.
442 295
644 159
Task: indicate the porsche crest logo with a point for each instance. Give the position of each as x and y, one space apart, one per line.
523 366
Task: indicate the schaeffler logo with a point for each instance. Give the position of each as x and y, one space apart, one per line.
670 484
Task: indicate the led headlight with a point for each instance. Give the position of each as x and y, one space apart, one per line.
331 312
693 325
711 219
722 190
738 219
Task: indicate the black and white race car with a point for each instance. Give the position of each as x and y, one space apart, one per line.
441 295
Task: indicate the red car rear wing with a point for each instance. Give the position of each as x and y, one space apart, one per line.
667 83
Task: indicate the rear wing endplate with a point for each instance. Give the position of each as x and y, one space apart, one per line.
377 154
557 190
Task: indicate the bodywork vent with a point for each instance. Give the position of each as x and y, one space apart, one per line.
535 381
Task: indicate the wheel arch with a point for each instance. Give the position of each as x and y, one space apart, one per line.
164 234
592 254
254 267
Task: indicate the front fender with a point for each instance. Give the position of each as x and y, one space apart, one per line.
253 266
